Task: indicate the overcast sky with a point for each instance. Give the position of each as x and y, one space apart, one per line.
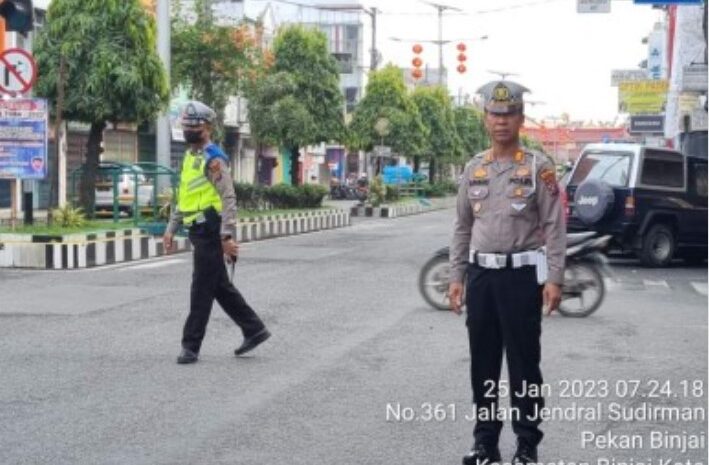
564 57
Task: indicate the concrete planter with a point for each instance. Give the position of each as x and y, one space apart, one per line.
71 251
393 211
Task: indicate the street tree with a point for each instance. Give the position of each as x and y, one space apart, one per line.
471 131
213 62
386 99
299 102
101 54
443 144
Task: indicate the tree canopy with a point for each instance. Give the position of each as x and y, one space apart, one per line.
112 72
386 98
299 103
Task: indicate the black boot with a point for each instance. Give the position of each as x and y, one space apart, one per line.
481 454
187 356
250 343
525 454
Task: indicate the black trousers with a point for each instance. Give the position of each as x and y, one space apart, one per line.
504 312
210 281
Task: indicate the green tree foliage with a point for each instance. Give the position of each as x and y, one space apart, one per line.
214 62
471 130
299 103
531 143
112 70
443 144
386 98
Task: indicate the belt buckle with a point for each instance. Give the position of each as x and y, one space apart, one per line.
500 261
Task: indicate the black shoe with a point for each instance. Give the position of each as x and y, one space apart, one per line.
525 454
482 455
187 356
250 343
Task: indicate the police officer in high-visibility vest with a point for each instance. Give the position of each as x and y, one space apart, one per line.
207 207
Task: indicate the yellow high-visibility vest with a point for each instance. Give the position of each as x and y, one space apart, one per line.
196 192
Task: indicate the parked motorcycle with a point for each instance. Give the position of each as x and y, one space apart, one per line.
583 290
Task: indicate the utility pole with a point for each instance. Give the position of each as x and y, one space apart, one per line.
162 126
373 60
441 8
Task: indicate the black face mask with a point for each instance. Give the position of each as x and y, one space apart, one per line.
193 137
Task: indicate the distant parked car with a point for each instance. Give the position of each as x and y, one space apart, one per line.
126 175
652 201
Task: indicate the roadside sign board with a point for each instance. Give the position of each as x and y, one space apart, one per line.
593 6
382 150
23 139
694 78
642 97
620 75
647 124
18 71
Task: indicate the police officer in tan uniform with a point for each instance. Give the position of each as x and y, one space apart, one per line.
509 243
207 207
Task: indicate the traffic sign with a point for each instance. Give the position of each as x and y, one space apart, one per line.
18 71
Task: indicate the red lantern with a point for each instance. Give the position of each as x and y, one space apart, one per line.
416 73
417 62
462 57
461 47
461 68
417 48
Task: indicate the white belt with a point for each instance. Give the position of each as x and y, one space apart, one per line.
498 261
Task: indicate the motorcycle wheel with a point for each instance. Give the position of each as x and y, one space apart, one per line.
583 284
433 283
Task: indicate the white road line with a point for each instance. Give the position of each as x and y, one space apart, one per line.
651 283
154 264
701 288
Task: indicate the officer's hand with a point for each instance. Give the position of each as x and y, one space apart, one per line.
552 297
230 248
168 243
455 294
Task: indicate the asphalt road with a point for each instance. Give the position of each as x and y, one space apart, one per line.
89 375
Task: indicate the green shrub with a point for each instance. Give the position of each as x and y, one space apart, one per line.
392 193
377 191
313 195
68 217
249 196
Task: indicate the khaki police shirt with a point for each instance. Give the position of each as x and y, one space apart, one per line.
218 174
509 207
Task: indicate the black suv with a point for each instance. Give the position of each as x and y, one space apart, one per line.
652 201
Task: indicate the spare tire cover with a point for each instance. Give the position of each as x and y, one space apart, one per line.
593 199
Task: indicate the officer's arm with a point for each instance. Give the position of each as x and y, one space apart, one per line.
175 220
219 174
551 220
462 229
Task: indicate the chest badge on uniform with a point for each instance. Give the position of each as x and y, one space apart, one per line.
196 163
519 156
480 173
519 206
523 171
477 207
549 178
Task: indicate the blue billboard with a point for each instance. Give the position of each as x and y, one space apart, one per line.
23 139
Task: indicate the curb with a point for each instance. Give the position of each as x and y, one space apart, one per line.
394 211
72 251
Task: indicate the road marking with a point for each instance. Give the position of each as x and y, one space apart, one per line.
155 264
651 283
701 288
